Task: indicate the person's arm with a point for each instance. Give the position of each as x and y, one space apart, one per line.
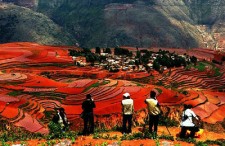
122 106
93 103
158 105
194 115
133 107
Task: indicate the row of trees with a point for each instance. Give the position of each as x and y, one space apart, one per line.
164 58
90 57
105 50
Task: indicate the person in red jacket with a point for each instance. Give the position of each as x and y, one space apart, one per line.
88 115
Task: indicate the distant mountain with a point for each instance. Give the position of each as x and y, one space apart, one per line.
22 24
142 23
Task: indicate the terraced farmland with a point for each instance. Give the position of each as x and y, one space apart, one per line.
35 79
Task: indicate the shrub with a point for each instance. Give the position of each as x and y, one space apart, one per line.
104 136
217 142
167 137
55 130
201 67
188 140
159 90
185 92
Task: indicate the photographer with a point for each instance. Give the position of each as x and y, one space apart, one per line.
154 112
88 115
127 109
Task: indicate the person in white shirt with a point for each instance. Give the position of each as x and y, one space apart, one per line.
154 112
187 122
127 109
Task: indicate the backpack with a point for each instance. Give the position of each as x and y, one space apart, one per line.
184 117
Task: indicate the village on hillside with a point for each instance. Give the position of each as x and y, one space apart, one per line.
120 59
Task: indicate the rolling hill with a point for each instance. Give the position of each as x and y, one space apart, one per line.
19 24
143 23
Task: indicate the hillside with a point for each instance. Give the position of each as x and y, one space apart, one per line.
36 79
18 24
111 23
132 23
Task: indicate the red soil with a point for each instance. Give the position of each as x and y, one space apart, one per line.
30 59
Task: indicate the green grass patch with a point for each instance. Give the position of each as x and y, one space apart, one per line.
159 83
92 86
48 114
15 93
105 136
105 82
159 90
138 84
201 66
188 67
217 72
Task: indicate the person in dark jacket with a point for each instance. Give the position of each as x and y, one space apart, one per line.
88 115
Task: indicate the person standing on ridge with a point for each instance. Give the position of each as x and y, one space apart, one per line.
127 109
154 112
88 115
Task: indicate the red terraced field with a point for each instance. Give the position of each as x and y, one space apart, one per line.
23 74
8 99
31 124
2 106
216 116
10 112
205 110
7 55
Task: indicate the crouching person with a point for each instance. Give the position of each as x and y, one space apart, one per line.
187 122
59 123
62 119
127 109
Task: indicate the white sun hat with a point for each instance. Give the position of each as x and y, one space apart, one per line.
126 94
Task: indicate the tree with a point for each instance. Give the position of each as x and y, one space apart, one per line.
90 57
138 54
193 59
97 50
156 65
117 51
108 50
102 58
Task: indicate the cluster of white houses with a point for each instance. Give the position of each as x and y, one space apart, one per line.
121 62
